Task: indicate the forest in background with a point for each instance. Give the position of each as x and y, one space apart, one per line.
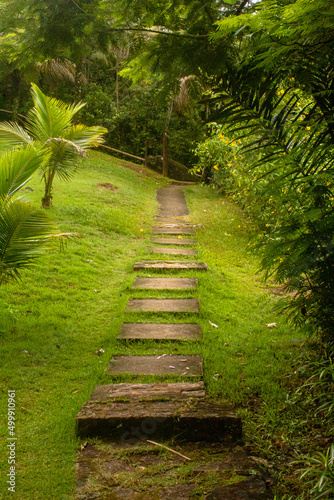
246 89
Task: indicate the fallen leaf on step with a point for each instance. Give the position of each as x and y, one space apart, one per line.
272 325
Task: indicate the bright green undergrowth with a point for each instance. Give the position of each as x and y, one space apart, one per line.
248 355
72 303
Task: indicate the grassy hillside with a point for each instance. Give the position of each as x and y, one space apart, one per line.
71 304
67 307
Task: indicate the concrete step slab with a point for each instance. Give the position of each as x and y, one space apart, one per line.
172 251
187 366
174 223
147 392
165 283
172 202
161 331
169 264
98 464
170 410
171 220
249 489
173 241
173 229
163 305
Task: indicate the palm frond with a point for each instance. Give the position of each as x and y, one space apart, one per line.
64 156
17 167
24 235
85 137
49 117
55 68
12 134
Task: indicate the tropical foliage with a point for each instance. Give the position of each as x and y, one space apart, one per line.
281 107
49 126
247 90
25 232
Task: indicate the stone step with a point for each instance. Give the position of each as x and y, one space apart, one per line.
172 202
171 220
161 331
173 241
172 251
174 223
187 366
165 283
173 229
163 305
169 264
131 412
234 475
148 392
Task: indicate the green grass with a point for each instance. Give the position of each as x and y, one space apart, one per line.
71 304
66 308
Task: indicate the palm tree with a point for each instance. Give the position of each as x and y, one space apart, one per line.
49 126
24 231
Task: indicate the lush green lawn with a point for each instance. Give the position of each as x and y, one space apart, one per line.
69 306
72 304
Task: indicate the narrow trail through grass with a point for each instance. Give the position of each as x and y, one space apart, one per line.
70 306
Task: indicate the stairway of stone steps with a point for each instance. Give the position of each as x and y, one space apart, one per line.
130 415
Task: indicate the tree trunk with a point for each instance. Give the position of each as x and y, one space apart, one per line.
47 198
117 83
47 201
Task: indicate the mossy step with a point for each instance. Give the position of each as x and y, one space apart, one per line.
173 241
138 470
163 305
151 411
187 366
161 331
165 283
169 264
172 251
149 392
173 229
